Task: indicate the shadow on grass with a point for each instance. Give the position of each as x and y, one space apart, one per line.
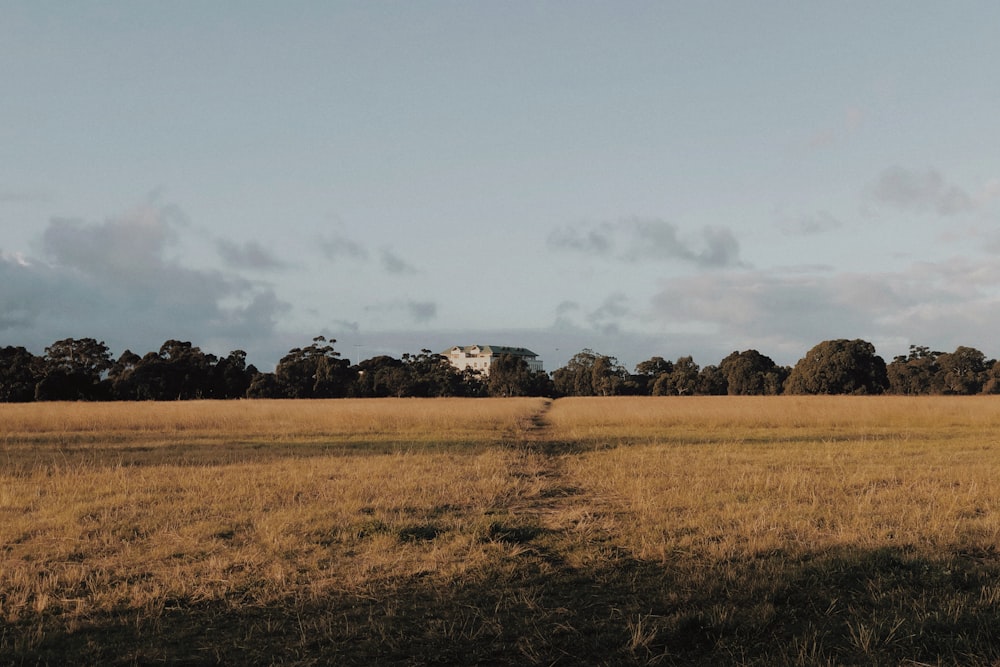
885 606
24 460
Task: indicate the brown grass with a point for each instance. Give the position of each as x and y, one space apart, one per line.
783 530
207 432
915 473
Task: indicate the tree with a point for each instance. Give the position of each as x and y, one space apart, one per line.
711 382
750 373
230 377
839 367
510 375
590 374
915 373
607 376
20 371
121 375
992 384
265 385
315 371
962 371
73 370
682 380
178 371
431 375
648 372
379 377
187 370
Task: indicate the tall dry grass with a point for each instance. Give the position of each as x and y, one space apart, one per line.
800 530
208 432
756 531
733 477
628 420
83 533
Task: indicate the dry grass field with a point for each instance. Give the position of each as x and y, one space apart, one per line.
672 531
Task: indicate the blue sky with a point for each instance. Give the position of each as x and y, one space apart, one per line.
640 178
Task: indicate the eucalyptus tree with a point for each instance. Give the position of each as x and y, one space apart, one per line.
839 367
73 369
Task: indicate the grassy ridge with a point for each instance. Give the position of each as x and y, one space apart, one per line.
787 530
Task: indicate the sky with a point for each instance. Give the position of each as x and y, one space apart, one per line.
641 179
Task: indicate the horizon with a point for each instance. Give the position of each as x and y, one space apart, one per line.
355 358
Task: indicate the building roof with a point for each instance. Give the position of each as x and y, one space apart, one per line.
496 350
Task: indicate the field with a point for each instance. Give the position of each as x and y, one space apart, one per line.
647 531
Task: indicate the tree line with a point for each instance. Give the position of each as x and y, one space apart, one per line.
84 370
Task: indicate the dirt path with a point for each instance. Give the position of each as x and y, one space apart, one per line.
553 502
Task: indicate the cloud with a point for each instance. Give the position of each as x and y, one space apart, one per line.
128 247
419 312
28 288
648 240
422 311
395 264
594 241
338 245
783 313
607 317
919 191
115 280
248 255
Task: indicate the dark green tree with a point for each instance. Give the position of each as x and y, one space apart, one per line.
73 370
315 371
230 377
648 372
575 379
121 376
963 371
608 376
379 377
20 371
682 380
510 375
992 384
590 374
178 371
431 375
839 367
265 385
711 382
750 373
916 373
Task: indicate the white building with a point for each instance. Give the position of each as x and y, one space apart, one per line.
481 357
